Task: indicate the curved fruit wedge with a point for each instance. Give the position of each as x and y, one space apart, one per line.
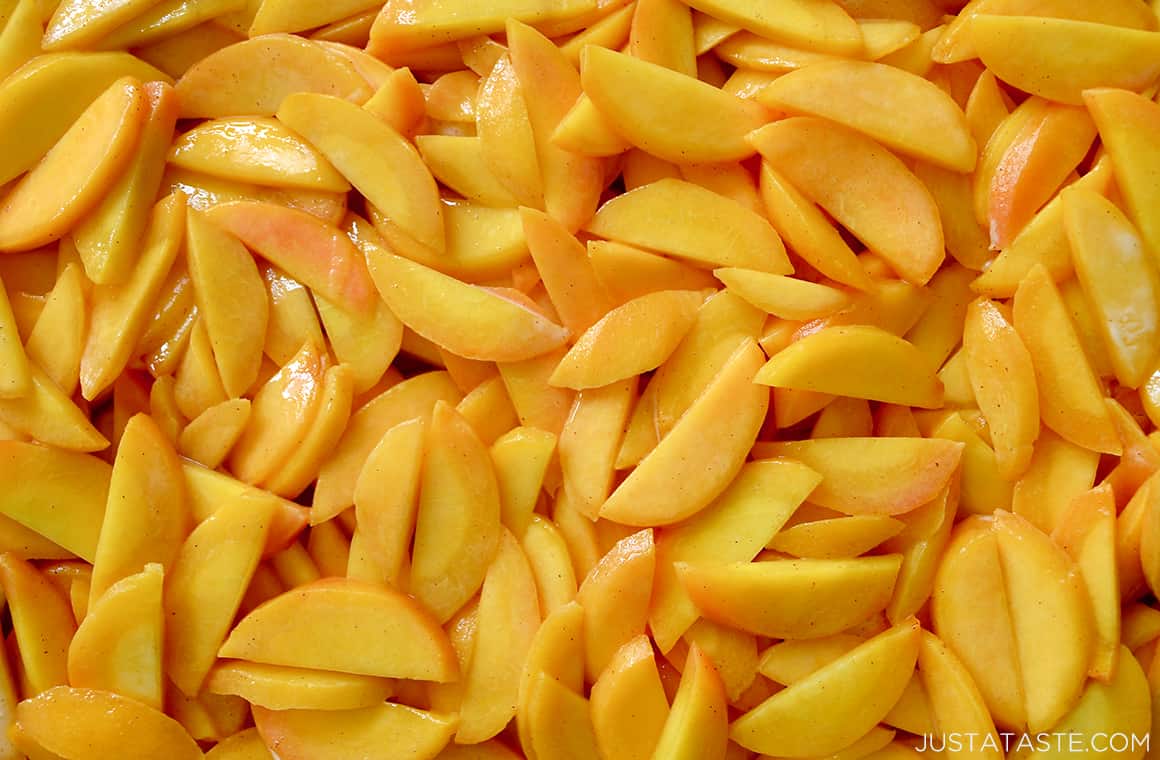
836 538
864 186
615 598
630 685
667 113
834 706
276 687
793 598
507 144
559 722
43 624
698 725
825 27
344 625
383 732
244 745
47 415
783 296
691 222
899 109
557 652
858 361
954 698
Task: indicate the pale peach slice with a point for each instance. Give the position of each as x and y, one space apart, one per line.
638 99
627 271
676 479
521 458
686 220
90 723
467 320
782 296
204 191
837 704
559 722
15 377
277 687
42 624
629 685
377 160
548 554
57 339
47 415
899 109
955 701
346 626
965 239
71 179
1045 64
576 291
836 538
78 24
584 130
557 651
983 489
868 476
1120 279
858 361
507 143
792 598
382 732
589 442
282 16
457 161
818 26
863 186
366 345
303 65
615 598
698 725
209 437
35 123
335 398
790 661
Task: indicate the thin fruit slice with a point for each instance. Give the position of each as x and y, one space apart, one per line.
382 732
698 724
277 687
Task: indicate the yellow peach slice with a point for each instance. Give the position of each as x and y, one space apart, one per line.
902 111
615 598
955 702
638 98
1110 258
791 661
277 687
42 624
335 397
346 626
584 130
965 239
204 191
570 279
57 340
782 296
15 377
467 320
983 489
627 272
294 318
685 220
1003 378
820 26
698 724
548 554
589 442
367 346
629 685
863 186
377 160
281 16
557 651
836 538
483 242
837 704
457 162
48 202
90 723
208 438
858 361
244 745
385 731
78 24
507 143
798 598
873 476
725 420
118 645
1070 395
304 66
521 458
1116 56
47 415
197 383
558 722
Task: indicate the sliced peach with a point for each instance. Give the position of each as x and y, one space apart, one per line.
662 33
457 161
548 554
207 490
863 186
384 731
507 143
698 724
57 340
70 180
836 538
244 745
956 704
586 131
837 704
983 489
1117 56
627 272
558 721
868 476
821 27
276 687
782 296
521 458
16 377
571 280
367 345
42 624
689 221
629 686
672 482
47 415
615 597
557 651
589 442
790 661
965 239
282 16
208 438
204 192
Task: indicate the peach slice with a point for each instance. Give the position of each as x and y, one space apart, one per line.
782 296
983 489
277 687
589 442
965 239
1070 395
698 725
15 377
244 745
521 458
208 438
662 33
559 722
873 476
457 161
304 66
569 277
283 16
507 143
837 704
871 98
42 624
818 26
118 645
793 598
69 182
836 538
858 361
627 272
557 651
686 220
548 554
90 723
377 160
1114 56
385 731
672 482
1110 258
204 191
47 415
629 685
335 398
955 701
790 661
584 129
655 322
57 339
1003 378
921 544
467 320
864 186
367 345
632 95
615 597
207 490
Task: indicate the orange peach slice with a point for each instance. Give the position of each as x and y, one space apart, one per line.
548 554
346 626
118 645
90 723
783 296
790 661
793 598
457 161
71 179
662 33
382 732
277 687
615 598
863 186
673 482
638 99
983 489
873 476
1003 378
50 417
584 130
467 320
282 16
836 538
627 272
209 437
1119 278
557 651
42 624
858 361
507 143
15 377
873 98
689 221
57 340
834 706
558 722
629 685
204 191
589 442
335 398
965 239
954 698
207 490
521 458
698 725
570 279
304 66
1045 63
818 26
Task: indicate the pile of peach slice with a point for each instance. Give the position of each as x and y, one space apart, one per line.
579 379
